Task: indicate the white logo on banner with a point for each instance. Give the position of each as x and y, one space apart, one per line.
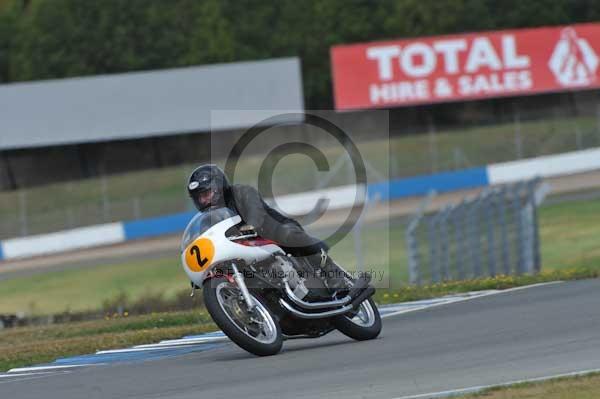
573 61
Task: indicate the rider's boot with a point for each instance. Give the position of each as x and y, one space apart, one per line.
335 277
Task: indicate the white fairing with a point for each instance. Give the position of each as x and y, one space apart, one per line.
225 250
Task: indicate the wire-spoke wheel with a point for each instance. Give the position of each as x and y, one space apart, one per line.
362 324
255 330
365 316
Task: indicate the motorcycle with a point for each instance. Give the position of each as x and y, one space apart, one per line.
260 296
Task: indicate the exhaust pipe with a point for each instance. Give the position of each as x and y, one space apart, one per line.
356 291
319 315
315 305
367 293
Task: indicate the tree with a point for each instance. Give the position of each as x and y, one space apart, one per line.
41 39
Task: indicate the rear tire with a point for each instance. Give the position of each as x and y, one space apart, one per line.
261 337
364 326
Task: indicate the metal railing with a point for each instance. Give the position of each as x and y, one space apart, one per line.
495 233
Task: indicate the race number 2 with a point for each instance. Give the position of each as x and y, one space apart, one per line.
196 251
199 255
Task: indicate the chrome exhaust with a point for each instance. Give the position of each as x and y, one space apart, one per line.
315 305
320 315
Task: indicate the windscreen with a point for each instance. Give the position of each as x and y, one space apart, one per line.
202 222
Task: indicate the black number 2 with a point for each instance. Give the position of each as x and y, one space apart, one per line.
196 251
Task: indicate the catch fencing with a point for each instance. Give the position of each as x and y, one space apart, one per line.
495 233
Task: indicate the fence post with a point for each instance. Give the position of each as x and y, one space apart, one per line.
23 212
432 239
475 236
518 139
578 136
459 229
105 201
537 196
444 255
412 246
527 223
519 228
137 209
504 231
491 242
433 150
70 218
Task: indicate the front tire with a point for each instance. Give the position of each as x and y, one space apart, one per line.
258 332
365 325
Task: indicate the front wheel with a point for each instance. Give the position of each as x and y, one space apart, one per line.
361 325
256 331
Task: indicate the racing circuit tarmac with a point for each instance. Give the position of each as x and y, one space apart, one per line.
525 333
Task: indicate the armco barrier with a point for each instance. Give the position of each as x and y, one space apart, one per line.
421 185
546 166
162 225
339 197
61 241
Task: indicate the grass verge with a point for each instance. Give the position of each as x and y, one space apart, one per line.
414 293
580 387
24 346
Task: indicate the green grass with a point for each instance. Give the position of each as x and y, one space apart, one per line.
569 235
583 387
24 346
86 289
413 292
161 191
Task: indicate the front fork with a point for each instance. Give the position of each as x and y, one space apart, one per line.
239 280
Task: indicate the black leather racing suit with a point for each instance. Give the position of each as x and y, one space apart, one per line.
286 232
271 224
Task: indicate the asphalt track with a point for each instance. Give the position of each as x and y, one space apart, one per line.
527 333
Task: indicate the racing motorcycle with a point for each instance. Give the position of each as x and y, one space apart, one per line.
260 296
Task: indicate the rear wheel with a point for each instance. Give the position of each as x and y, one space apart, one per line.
256 331
361 325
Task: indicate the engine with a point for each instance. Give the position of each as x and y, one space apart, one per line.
286 270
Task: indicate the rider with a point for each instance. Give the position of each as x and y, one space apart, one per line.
208 187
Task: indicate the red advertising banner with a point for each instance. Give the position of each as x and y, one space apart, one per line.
467 66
